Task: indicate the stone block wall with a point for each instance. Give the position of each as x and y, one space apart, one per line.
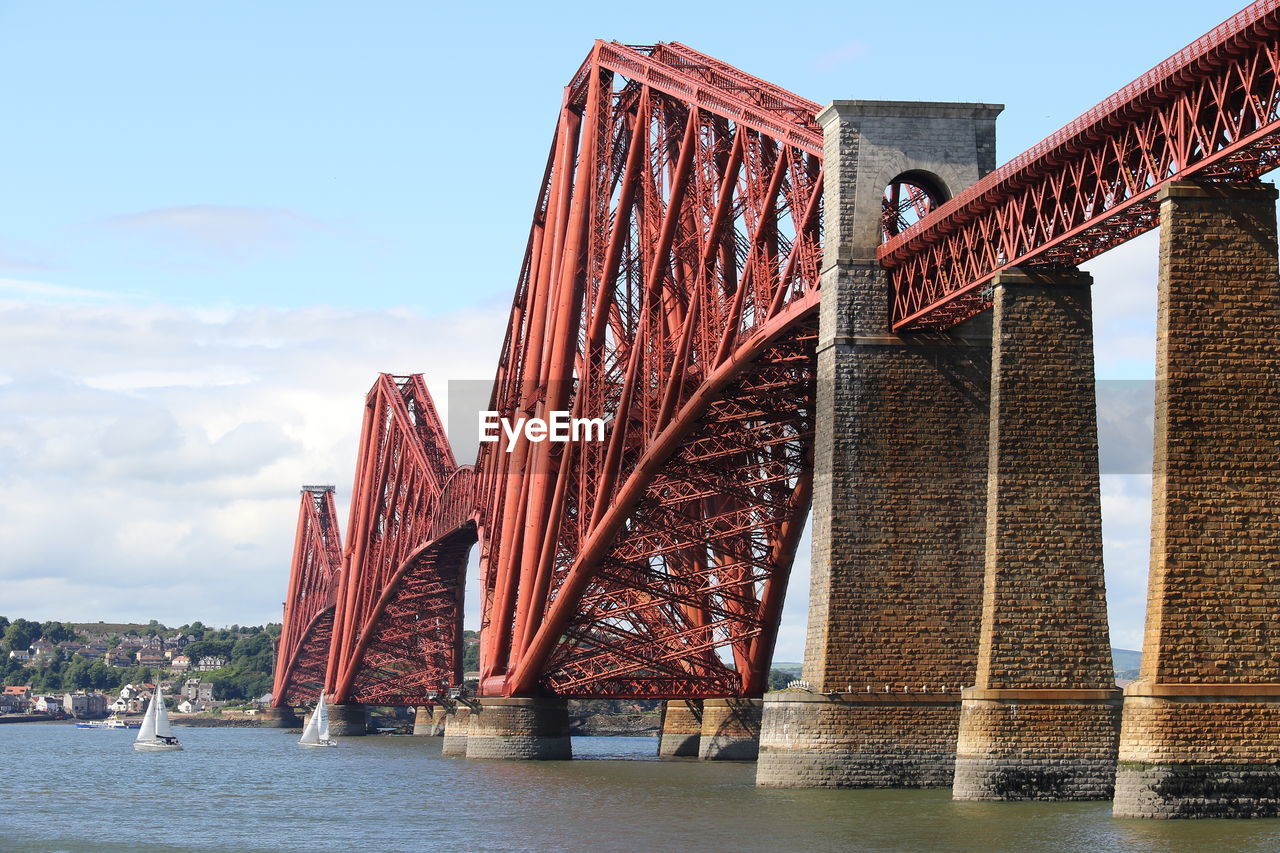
520 729
1042 721
457 723
681 728
730 729
808 740
1201 729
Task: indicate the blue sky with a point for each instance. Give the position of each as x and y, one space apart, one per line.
218 221
386 153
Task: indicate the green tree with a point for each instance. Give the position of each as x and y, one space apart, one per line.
20 635
57 632
208 648
779 679
77 675
254 652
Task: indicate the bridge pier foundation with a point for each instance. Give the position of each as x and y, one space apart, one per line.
457 724
428 721
885 740
520 729
730 729
279 718
1200 733
1042 721
348 720
681 728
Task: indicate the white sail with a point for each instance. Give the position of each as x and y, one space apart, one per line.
323 713
148 730
163 729
311 733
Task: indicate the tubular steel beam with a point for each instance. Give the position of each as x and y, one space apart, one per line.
1210 111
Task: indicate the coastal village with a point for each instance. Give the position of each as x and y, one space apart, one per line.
76 672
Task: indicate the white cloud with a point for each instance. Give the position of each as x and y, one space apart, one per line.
150 456
13 288
219 232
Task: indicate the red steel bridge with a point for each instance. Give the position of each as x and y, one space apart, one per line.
671 285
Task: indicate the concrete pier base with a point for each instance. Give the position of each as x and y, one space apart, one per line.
429 722
730 730
520 729
279 718
681 728
348 720
457 724
1037 748
810 740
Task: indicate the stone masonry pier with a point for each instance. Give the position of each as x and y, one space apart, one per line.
1042 721
1201 729
899 480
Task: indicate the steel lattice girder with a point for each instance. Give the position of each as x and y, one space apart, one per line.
669 286
303 650
397 622
1210 112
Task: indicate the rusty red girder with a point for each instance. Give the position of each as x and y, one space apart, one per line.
669 286
1209 112
303 651
398 621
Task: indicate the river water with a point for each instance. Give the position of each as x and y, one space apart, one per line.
70 789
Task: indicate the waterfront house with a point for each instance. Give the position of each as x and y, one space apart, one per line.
16 699
197 690
82 704
49 704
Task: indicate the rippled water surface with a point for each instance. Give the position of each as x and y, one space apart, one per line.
256 790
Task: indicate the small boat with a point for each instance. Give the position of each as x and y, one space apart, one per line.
317 731
156 735
112 722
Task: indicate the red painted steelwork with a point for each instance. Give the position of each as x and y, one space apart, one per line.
1209 112
669 286
398 622
303 650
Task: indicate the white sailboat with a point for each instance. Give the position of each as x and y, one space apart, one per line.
156 735
316 732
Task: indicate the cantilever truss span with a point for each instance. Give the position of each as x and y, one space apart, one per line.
398 618
303 652
669 286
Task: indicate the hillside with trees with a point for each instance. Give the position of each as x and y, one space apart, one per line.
249 653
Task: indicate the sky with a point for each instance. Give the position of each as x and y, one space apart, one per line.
219 222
